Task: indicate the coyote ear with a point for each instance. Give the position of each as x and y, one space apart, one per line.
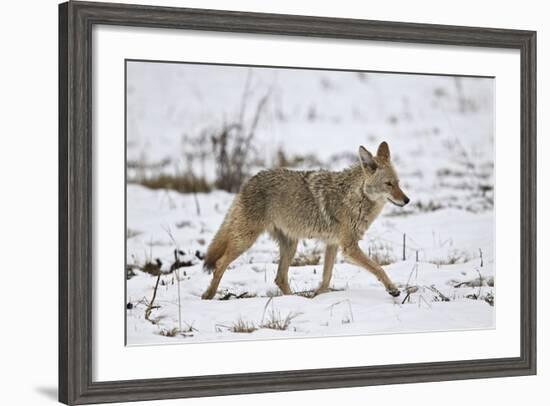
383 151
366 159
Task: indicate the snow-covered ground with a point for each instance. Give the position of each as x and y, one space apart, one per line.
440 132
358 303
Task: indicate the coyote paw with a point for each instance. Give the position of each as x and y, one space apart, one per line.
394 292
284 287
207 295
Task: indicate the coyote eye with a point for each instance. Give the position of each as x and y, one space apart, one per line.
388 184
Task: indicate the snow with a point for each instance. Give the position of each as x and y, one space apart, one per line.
358 303
440 132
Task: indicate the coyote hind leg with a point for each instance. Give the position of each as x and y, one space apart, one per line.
235 248
287 249
221 266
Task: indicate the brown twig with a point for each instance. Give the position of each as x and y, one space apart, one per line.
150 306
480 282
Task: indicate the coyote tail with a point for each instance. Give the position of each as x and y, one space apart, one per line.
216 249
219 244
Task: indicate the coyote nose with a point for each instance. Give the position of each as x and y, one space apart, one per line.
406 200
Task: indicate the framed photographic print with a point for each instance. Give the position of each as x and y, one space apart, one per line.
319 202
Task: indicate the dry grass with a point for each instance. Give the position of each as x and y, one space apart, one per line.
488 298
476 282
230 295
185 183
275 321
243 326
172 332
152 268
310 294
175 331
454 257
381 253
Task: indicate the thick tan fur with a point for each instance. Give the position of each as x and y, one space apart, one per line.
334 207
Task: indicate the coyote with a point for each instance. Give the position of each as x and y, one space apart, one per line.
334 207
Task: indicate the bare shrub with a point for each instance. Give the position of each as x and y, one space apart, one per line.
232 143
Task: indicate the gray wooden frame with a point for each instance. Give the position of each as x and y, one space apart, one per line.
76 20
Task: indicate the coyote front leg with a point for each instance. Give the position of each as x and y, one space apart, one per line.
330 257
287 247
354 254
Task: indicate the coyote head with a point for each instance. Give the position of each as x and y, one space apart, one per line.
381 181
